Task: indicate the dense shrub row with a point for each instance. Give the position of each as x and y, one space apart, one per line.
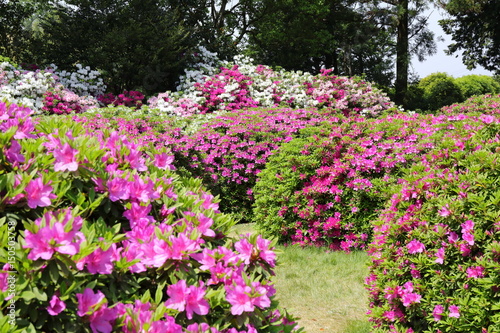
327 187
440 89
436 249
101 235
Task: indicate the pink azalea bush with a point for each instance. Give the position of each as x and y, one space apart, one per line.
241 85
326 186
102 236
438 233
227 152
132 99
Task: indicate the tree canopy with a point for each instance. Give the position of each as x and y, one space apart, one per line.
475 30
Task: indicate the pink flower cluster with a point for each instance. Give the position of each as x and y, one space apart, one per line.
64 102
435 232
233 89
107 208
132 99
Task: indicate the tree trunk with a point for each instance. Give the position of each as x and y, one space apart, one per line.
402 56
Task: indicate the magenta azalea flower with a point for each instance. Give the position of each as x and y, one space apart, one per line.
438 311
56 306
38 194
415 247
186 298
88 302
475 272
51 239
454 311
100 321
65 159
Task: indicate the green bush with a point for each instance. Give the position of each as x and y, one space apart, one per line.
471 85
436 249
439 89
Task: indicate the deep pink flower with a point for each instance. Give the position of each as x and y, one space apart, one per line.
475 272
186 298
437 313
13 154
415 247
56 306
65 158
246 250
51 239
89 302
265 253
99 261
118 189
168 326
38 194
100 321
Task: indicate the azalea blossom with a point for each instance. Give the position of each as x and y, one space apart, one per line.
191 299
38 194
56 306
65 158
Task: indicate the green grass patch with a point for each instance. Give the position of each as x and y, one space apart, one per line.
325 289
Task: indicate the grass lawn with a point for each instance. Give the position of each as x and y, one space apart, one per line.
324 289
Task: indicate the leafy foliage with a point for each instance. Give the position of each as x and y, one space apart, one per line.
98 234
435 249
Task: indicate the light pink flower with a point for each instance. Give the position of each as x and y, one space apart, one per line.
56 306
65 158
38 194
239 298
454 311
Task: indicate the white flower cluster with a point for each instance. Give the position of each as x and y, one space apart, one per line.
24 87
206 64
83 81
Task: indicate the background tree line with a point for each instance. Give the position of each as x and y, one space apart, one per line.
145 44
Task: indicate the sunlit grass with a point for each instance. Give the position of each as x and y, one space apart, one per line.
325 289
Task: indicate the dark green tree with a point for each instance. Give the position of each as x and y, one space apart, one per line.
411 37
306 35
14 34
138 44
474 28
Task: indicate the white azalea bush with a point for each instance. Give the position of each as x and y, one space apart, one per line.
49 90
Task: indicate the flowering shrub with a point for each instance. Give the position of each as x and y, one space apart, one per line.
235 87
127 98
100 235
49 91
63 101
485 104
84 81
24 87
226 152
327 186
435 253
